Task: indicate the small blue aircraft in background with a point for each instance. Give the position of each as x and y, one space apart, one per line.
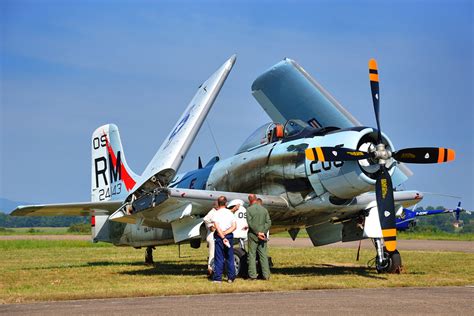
408 217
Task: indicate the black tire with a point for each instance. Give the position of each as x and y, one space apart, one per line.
393 264
149 256
240 262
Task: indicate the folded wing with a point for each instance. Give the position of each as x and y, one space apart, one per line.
286 91
170 155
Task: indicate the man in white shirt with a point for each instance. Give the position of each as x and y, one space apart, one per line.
224 223
208 221
240 233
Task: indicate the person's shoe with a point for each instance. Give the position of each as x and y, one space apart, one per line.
230 281
266 279
218 282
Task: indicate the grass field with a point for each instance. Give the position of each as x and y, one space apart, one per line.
302 234
37 270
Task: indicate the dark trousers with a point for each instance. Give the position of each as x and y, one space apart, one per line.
221 255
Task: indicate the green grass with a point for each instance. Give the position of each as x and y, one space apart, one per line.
405 235
436 236
37 270
302 233
38 231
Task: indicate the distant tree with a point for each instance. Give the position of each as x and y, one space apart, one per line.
79 228
41 221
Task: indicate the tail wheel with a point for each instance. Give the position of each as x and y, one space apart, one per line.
393 264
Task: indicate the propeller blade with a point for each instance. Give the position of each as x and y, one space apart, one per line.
386 207
374 87
335 154
458 212
424 155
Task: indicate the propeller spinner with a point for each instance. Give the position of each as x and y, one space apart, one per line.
380 154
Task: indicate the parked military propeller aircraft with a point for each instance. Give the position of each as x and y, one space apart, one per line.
314 166
408 217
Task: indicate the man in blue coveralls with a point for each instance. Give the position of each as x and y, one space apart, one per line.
224 222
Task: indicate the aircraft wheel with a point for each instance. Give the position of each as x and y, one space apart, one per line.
149 256
240 262
392 265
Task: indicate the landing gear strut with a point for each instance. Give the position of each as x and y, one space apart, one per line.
387 262
149 255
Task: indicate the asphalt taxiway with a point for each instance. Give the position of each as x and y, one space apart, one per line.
385 301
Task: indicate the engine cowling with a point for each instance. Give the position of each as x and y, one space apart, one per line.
345 180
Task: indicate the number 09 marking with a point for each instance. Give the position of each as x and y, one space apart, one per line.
99 142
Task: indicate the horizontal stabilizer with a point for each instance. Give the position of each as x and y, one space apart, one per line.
68 209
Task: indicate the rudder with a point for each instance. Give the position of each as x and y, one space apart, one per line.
111 178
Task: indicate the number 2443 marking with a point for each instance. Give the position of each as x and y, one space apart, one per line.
106 193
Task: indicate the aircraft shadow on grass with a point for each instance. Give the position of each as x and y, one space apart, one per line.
87 264
198 269
178 268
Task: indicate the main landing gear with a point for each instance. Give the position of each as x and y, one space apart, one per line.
149 256
386 261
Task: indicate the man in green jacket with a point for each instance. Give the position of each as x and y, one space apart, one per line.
259 223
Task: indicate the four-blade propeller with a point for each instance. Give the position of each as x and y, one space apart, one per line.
383 184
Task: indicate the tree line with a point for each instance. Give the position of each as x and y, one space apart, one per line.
8 221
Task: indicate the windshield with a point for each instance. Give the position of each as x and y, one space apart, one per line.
272 132
259 137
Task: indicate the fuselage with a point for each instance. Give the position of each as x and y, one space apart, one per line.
316 191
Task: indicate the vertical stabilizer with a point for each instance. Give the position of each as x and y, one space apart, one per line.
111 178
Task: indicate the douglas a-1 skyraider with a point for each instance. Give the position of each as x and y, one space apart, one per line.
314 166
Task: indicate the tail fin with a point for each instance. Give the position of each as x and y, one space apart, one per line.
111 179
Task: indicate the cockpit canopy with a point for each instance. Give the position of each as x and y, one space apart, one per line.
272 132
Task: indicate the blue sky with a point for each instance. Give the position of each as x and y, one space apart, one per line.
68 67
